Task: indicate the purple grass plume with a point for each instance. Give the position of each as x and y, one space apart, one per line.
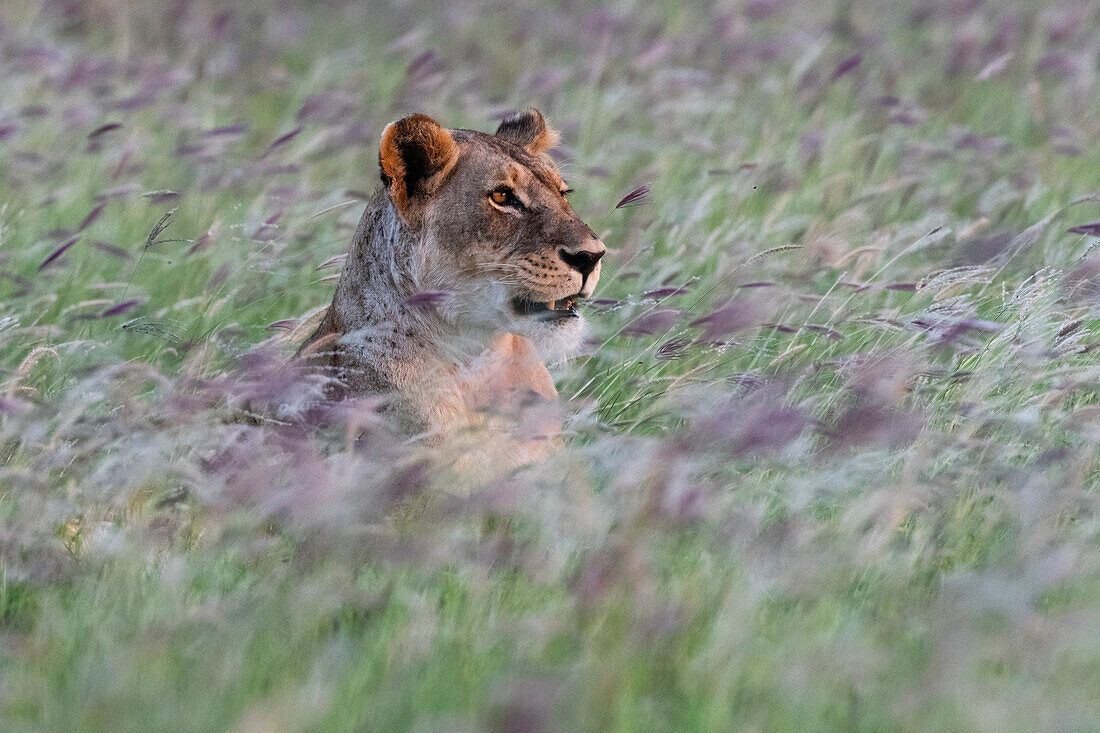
57 253
637 197
1092 229
119 308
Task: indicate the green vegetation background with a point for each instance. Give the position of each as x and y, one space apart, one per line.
832 449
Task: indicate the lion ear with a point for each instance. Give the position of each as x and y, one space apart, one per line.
528 130
415 156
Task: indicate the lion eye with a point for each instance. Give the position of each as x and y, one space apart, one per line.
505 196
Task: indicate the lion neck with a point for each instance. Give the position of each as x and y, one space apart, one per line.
376 300
379 275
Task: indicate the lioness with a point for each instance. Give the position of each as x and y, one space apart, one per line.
463 276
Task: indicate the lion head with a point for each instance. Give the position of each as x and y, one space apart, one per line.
496 233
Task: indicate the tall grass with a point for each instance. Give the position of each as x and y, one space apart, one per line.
831 449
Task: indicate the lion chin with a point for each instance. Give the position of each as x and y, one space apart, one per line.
556 329
555 342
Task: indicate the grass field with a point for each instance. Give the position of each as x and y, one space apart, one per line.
832 449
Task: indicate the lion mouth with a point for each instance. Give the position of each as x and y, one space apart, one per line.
550 310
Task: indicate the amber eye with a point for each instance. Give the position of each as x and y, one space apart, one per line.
505 196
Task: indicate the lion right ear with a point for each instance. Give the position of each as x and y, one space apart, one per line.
528 130
415 156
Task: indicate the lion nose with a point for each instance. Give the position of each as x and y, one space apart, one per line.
584 260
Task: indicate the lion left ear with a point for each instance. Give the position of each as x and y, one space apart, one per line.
528 130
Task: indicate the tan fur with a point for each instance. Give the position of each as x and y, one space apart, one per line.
473 354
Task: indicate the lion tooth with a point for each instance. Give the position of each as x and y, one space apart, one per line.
553 304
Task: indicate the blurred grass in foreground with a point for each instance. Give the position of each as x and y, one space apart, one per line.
833 448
